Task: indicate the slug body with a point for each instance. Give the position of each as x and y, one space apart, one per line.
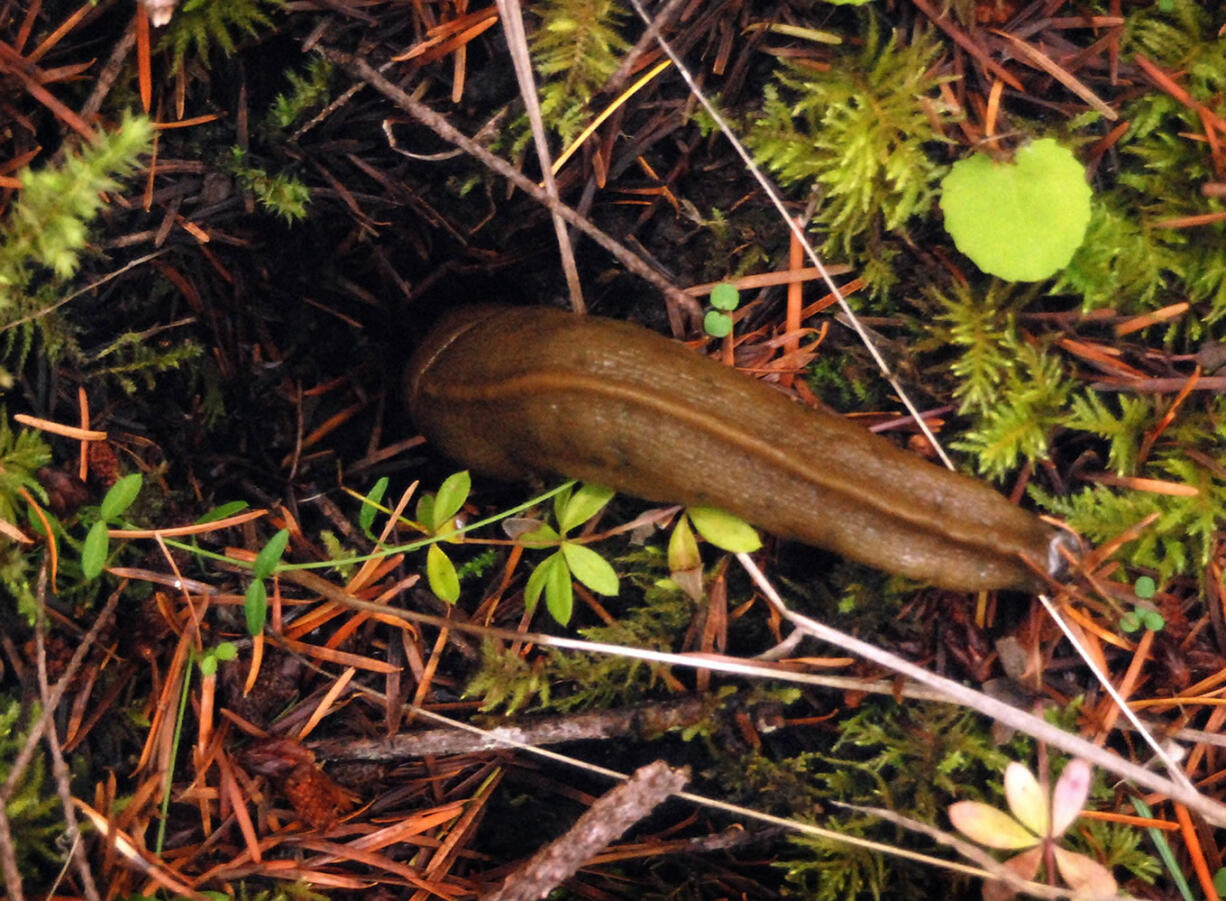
513 392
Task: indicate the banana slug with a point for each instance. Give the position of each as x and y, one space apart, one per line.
519 391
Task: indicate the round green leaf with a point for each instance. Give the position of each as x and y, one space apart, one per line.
93 554
717 324
120 496
208 665
1019 221
590 568
725 531
1153 620
255 607
225 650
441 574
725 297
1145 587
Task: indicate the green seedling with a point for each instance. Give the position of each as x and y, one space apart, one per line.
436 516
554 575
212 657
96 550
725 531
255 603
1035 828
1142 618
724 299
1021 221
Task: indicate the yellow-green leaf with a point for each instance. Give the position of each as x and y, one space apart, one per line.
725 531
441 574
590 568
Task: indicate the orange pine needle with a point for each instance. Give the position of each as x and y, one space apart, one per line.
325 704
1109 712
257 658
238 804
1136 323
195 529
1196 852
1129 819
144 71
1153 486
328 655
56 428
796 258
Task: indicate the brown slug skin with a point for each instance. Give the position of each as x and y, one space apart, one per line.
512 392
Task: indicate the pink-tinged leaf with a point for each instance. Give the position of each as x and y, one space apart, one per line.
1069 796
1023 866
1026 799
1088 878
990 827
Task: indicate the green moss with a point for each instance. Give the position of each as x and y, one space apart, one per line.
857 136
33 810
575 49
199 27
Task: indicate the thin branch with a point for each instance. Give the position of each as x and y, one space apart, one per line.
360 69
998 710
602 824
53 700
943 689
59 768
511 14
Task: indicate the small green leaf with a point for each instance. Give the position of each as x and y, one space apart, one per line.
590 568
1144 587
725 531
583 505
270 555
536 582
1153 620
93 554
725 297
255 607
222 511
559 595
441 574
450 498
208 665
1023 221
425 510
717 324
1130 622
120 497
225 650
370 504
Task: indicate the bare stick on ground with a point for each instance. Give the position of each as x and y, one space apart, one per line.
603 823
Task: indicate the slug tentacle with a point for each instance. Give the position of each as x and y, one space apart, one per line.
513 392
